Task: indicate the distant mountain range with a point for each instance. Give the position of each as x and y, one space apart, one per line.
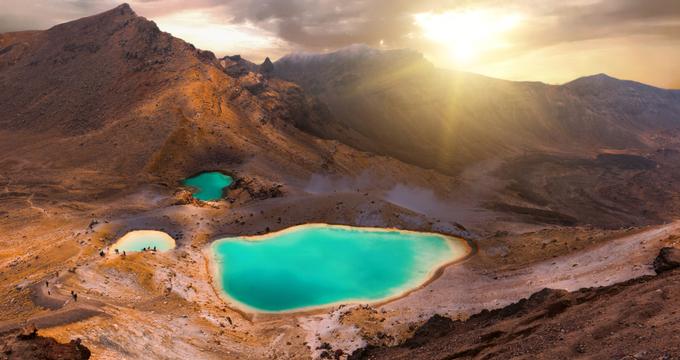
435 118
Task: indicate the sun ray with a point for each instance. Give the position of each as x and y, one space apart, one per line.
468 34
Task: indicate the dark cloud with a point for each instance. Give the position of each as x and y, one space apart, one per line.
625 10
329 23
605 19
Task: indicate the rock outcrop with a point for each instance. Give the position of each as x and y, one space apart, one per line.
267 67
668 259
236 66
27 344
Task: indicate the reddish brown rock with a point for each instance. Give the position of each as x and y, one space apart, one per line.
27 344
604 322
668 259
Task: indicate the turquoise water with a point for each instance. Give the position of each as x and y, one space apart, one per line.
315 265
138 240
209 185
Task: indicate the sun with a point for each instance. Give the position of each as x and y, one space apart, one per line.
467 34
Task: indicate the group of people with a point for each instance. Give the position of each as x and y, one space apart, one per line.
143 249
102 253
74 294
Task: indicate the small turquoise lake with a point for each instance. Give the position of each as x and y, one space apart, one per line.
139 240
209 185
316 265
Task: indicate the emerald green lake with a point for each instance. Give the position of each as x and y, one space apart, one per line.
209 185
140 239
316 265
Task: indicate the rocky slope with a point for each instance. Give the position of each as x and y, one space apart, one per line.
114 83
571 154
636 319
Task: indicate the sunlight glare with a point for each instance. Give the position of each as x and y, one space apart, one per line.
468 33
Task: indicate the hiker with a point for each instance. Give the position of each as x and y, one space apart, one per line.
47 283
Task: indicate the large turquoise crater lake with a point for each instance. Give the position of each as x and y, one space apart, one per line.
316 265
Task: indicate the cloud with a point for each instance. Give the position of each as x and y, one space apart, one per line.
331 23
604 19
334 23
319 25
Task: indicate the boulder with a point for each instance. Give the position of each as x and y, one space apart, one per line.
253 82
668 259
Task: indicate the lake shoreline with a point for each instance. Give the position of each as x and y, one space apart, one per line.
461 250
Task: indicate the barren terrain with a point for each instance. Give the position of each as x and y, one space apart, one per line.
103 117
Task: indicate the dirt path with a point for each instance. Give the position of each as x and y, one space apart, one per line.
54 318
61 309
31 205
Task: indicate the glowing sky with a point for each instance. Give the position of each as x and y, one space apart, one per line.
551 41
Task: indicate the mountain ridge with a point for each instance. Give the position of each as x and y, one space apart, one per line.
556 113
361 50
116 77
